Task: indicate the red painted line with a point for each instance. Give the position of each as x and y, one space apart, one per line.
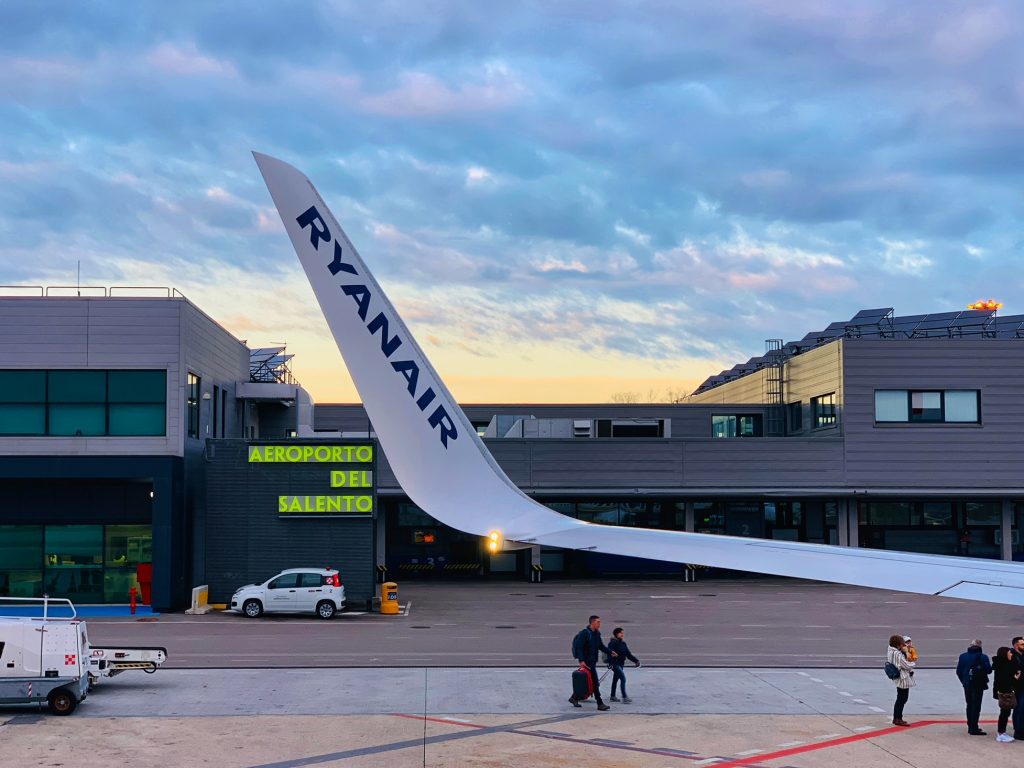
441 720
755 760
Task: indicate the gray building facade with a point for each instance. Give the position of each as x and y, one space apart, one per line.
127 424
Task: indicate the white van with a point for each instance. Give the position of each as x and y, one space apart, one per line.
44 660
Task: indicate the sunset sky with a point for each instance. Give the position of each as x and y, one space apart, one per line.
565 200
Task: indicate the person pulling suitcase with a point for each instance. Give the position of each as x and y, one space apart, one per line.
586 647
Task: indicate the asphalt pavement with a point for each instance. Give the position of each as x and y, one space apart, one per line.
724 623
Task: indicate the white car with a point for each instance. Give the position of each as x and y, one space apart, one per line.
297 590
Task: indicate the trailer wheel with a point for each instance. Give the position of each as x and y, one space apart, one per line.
150 669
61 702
325 609
252 608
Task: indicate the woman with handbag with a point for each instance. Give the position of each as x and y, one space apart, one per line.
1007 672
905 681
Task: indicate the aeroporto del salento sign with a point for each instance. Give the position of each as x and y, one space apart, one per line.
348 473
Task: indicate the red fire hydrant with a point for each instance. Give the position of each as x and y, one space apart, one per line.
132 593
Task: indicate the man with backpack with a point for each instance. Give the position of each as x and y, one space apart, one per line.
973 669
586 646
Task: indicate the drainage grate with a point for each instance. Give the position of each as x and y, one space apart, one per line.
504 626
543 595
707 595
418 626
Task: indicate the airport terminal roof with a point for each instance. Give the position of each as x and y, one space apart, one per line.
882 324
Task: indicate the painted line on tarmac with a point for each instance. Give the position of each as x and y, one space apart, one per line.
799 750
420 742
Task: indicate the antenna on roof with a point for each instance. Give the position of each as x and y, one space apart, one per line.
79 283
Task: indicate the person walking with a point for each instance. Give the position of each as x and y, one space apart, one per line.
618 645
1018 711
1004 684
973 669
586 646
905 681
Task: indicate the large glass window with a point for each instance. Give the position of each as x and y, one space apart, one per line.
891 405
961 405
83 402
597 512
824 408
984 513
926 406
708 517
22 402
952 406
737 425
21 553
74 562
86 563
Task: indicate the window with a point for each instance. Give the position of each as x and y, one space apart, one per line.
192 405
954 406
962 405
984 513
794 418
287 581
223 411
891 513
926 406
737 425
824 407
83 403
311 580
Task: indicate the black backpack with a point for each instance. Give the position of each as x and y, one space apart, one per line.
892 671
578 643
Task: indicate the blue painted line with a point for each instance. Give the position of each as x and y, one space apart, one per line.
83 611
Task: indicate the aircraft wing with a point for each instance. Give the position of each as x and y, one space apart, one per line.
448 472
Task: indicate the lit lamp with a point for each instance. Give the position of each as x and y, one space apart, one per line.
494 542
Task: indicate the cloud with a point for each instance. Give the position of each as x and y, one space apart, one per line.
639 183
188 61
905 256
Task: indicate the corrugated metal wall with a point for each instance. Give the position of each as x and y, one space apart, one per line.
246 541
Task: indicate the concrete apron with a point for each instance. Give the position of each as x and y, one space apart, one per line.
573 738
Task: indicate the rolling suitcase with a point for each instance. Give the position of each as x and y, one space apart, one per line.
582 684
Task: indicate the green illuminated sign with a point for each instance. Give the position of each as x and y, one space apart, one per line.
306 505
306 454
347 483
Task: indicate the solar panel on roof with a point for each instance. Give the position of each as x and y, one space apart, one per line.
870 315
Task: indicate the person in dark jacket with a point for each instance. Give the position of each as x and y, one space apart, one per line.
973 669
618 646
589 647
1018 711
1004 683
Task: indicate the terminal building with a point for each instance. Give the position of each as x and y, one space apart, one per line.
143 446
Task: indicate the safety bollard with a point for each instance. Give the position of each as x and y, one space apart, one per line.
131 592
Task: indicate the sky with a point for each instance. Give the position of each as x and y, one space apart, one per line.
566 201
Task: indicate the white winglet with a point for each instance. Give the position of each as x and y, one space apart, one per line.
448 472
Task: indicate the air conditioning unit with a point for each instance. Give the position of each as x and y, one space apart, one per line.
582 427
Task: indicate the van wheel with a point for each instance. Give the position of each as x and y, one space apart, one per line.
252 608
61 702
325 609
